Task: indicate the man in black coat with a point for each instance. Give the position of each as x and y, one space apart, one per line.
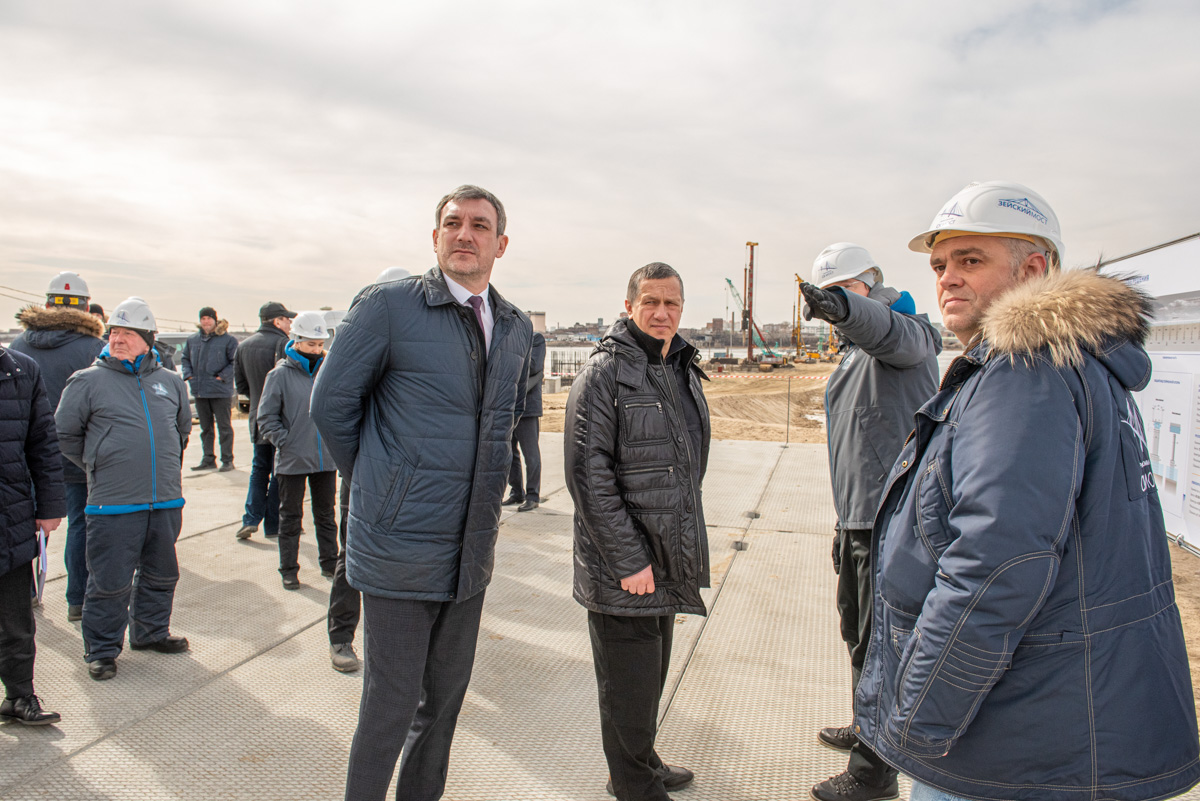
256 356
525 436
31 498
636 448
207 362
64 336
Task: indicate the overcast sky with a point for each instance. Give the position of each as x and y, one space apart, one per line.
230 153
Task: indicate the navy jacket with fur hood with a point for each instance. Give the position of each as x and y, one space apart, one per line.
208 359
31 486
408 401
61 340
1026 643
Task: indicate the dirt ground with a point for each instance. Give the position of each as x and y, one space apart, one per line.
755 407
749 406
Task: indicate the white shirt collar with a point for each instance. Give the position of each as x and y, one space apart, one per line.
461 293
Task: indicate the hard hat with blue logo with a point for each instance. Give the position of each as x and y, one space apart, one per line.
996 208
844 260
133 312
309 325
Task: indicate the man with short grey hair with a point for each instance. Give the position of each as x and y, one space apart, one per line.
1025 642
417 400
636 448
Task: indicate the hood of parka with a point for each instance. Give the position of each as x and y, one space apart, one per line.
38 319
221 327
1069 312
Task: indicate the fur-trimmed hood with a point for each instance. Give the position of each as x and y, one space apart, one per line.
222 327
60 318
1066 313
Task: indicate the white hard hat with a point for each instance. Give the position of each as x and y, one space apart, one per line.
133 312
309 325
67 285
392 274
996 208
841 261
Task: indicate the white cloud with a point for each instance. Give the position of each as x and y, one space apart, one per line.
226 154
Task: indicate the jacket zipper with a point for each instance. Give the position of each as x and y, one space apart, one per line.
677 403
153 458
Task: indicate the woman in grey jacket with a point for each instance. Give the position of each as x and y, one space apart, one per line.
300 453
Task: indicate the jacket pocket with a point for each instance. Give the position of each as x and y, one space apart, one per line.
933 510
660 527
643 421
907 652
396 494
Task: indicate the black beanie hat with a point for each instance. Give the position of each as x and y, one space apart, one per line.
208 311
148 336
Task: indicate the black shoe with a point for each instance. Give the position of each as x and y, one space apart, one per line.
167 645
206 465
226 467
102 669
529 505
327 573
845 787
291 583
512 499
843 738
74 612
673 777
244 532
27 710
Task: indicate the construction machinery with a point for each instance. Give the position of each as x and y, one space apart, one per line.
756 337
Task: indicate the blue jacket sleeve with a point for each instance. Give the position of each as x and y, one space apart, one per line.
1008 525
346 381
71 417
270 410
896 339
226 372
185 359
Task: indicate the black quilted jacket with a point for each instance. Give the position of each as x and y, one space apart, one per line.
31 486
629 468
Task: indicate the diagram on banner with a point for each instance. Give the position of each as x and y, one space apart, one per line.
1169 408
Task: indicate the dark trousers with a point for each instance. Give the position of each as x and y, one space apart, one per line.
132 573
632 656
218 410
344 600
262 496
323 487
16 632
75 549
419 656
525 439
854 600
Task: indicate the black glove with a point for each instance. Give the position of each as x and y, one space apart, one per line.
823 304
837 554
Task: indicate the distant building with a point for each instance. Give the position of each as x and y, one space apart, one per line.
538 318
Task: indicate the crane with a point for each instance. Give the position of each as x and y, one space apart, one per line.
756 335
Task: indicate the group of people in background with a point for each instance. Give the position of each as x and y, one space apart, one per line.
1004 583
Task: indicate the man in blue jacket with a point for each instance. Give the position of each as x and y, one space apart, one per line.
888 369
417 400
125 421
1026 643
63 336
